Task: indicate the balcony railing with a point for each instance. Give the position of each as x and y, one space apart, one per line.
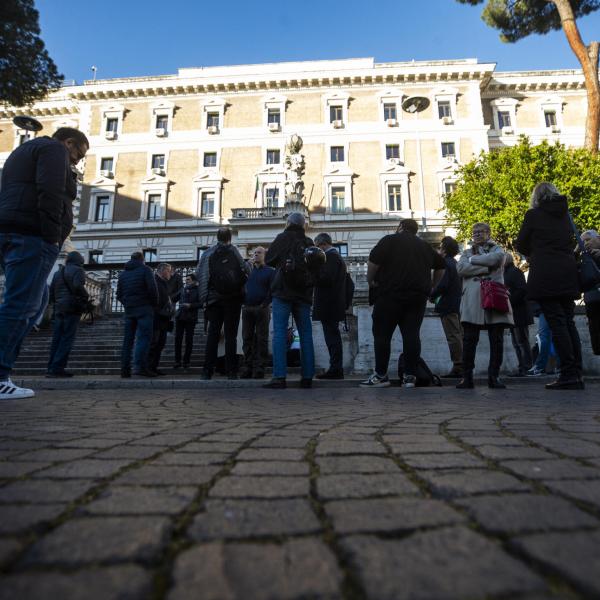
268 212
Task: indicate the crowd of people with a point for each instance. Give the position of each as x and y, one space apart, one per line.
299 278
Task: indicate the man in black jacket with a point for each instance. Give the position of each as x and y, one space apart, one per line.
163 313
137 292
186 318
67 293
36 216
330 304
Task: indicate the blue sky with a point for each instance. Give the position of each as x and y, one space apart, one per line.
132 37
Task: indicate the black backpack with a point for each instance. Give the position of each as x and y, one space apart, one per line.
296 273
226 274
425 377
349 291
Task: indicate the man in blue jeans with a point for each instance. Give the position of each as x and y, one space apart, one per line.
292 292
36 216
138 293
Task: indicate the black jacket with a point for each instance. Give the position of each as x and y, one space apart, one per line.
277 254
330 289
448 290
163 311
136 286
546 239
37 192
514 280
190 294
68 285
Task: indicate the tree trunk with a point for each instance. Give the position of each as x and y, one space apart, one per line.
588 58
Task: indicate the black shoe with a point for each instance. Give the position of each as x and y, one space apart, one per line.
146 373
466 382
494 383
177 366
331 375
246 375
259 375
159 373
59 375
275 384
305 383
125 373
186 368
452 375
567 384
518 374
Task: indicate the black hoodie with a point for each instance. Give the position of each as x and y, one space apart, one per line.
547 240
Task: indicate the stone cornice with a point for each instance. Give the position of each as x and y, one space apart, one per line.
515 82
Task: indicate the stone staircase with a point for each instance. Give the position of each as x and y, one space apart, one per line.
97 349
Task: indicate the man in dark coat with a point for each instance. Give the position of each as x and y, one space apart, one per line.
514 280
163 313
546 239
137 292
330 304
67 293
186 319
36 216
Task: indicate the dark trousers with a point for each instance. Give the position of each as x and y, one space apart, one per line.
139 322
388 314
470 341
454 337
333 340
64 329
593 315
559 313
159 339
519 336
184 329
226 316
255 335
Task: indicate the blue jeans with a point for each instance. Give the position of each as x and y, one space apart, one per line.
139 324
281 316
546 349
63 336
27 261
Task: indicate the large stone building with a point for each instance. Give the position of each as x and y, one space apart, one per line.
172 157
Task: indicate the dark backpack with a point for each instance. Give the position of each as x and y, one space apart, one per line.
425 377
349 291
226 274
296 273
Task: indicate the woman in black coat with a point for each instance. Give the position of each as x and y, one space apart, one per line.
546 239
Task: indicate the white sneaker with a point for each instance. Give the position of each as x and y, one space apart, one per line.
409 381
10 391
535 372
375 381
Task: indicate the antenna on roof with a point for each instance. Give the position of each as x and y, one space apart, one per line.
94 69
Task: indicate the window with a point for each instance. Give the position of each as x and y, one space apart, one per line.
273 157
449 187
272 197
102 209
112 124
448 150
212 119
342 249
158 161
394 198
550 118
503 119
210 159
150 255
154 209
336 113
207 208
106 164
338 199
337 153
274 116
392 151
162 122
96 257
25 137
444 109
389 111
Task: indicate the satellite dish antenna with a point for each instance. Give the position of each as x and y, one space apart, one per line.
415 104
27 123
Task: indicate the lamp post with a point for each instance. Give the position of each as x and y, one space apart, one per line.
414 105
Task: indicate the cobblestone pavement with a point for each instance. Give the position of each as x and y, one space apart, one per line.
323 493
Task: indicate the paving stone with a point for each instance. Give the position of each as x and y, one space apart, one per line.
99 539
442 461
54 454
253 518
89 443
448 484
20 445
516 452
86 468
512 513
293 570
356 464
165 439
271 454
260 487
8 549
572 447
389 514
491 441
221 448
432 566
15 518
588 491
271 467
140 500
364 486
574 555
133 452
552 469
44 491
168 475
350 448
279 442
18 469
430 447
112 583
189 458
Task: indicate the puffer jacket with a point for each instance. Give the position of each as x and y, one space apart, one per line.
37 192
68 285
136 285
487 262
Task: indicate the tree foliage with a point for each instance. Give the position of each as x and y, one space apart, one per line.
27 72
496 186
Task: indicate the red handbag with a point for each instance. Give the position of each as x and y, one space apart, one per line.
494 296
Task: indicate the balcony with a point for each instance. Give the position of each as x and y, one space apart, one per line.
268 212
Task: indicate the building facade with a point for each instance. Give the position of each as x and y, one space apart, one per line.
173 157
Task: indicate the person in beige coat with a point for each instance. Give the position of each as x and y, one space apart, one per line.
485 259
